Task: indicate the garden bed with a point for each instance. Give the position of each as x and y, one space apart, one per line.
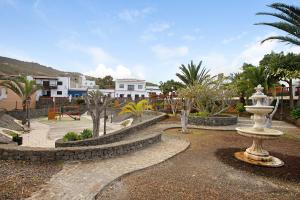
219 120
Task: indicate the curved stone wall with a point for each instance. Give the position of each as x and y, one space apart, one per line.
112 137
213 121
10 152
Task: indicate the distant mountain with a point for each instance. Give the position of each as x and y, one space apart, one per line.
10 66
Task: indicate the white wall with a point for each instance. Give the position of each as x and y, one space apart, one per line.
136 91
63 88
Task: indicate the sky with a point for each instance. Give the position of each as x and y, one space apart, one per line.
145 39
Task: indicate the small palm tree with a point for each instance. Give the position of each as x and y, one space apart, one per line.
192 74
136 109
24 88
290 16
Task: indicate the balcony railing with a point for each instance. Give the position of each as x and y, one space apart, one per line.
283 91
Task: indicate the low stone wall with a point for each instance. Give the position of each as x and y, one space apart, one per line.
9 152
36 113
213 121
112 137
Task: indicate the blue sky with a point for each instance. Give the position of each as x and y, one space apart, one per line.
140 39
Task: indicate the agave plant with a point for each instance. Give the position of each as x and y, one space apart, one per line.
24 88
136 109
290 16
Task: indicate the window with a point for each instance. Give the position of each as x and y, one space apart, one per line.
121 95
130 87
121 86
59 82
140 87
59 92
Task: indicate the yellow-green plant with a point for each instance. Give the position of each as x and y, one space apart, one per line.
136 109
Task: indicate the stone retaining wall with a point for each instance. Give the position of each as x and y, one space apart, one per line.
112 137
9 152
213 121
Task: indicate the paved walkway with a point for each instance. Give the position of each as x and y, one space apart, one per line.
38 136
84 180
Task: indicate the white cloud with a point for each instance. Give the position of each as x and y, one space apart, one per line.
255 51
252 53
189 37
133 15
234 38
159 27
99 55
119 71
165 53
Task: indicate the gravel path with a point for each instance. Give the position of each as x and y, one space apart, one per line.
84 180
18 179
208 170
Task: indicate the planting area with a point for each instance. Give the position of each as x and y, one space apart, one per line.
208 170
19 178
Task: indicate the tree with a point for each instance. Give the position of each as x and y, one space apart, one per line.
192 74
136 109
170 86
24 88
96 103
214 98
290 16
105 82
284 68
244 82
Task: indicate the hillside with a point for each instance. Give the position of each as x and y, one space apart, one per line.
9 66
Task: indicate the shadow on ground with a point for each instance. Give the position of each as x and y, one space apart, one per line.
289 172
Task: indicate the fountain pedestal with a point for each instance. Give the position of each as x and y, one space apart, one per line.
256 154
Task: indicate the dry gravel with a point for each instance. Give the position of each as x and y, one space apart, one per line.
208 170
18 179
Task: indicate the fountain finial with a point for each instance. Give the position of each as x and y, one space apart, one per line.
259 89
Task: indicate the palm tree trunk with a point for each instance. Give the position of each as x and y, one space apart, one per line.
28 113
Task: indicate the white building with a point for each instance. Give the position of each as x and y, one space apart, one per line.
87 83
52 86
152 90
130 88
81 82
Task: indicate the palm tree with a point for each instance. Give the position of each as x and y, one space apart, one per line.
192 74
290 23
136 109
24 88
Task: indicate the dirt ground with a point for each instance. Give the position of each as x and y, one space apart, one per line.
18 179
208 170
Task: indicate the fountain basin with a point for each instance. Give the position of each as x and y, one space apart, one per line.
259 109
256 154
266 133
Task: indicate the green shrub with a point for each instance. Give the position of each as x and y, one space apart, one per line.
80 101
125 123
200 114
86 133
71 136
295 114
240 107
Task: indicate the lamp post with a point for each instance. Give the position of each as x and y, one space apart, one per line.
281 108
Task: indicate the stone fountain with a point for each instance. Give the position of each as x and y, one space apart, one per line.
256 154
